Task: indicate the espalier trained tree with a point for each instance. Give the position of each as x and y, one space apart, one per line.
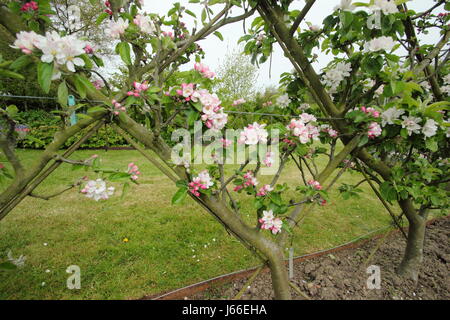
396 137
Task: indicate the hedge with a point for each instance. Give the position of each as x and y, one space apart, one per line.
44 125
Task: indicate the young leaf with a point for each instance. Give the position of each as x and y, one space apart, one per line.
45 72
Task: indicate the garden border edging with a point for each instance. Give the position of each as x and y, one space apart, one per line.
181 293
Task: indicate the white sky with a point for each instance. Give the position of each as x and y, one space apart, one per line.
216 49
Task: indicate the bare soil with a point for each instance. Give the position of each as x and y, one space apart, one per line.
343 275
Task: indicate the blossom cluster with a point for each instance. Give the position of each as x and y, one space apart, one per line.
269 222
134 171
315 184
138 89
30 6
201 182
386 6
249 181
204 70
372 111
97 190
269 160
238 102
253 134
116 28
410 123
264 190
62 51
144 23
374 130
336 75
117 107
378 44
304 129
329 130
283 101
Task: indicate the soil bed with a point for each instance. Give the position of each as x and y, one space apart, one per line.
342 275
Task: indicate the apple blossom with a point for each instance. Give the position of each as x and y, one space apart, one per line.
134 171
97 190
264 190
269 160
116 28
336 75
253 134
345 5
315 184
27 41
381 43
204 70
269 222
374 130
202 182
390 115
30 6
238 102
283 101
430 128
144 23
387 6
411 124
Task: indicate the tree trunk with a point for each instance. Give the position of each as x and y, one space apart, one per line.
280 278
413 255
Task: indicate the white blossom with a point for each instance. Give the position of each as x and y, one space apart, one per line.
411 124
96 189
390 115
430 128
387 6
283 101
345 5
381 43
116 28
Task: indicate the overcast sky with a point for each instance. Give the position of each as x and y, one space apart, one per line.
216 49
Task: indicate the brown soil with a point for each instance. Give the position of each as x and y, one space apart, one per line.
342 275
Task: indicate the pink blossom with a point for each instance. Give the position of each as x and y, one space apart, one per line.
226 143
88 49
374 130
98 84
32 5
238 102
264 190
204 70
372 111
202 182
269 160
133 170
315 184
269 222
253 134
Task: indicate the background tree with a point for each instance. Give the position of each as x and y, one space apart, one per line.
236 77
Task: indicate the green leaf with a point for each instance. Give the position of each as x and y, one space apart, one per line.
63 93
126 187
6 266
388 191
101 17
179 196
20 63
45 72
218 35
123 48
119 177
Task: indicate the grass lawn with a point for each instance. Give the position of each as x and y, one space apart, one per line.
169 246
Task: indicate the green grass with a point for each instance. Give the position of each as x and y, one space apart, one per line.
169 246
